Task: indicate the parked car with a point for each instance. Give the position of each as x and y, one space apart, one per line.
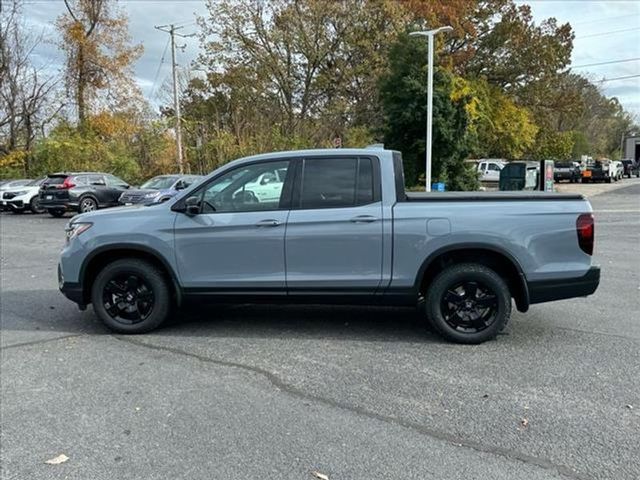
341 230
9 184
157 190
81 192
603 171
22 198
631 167
567 171
489 169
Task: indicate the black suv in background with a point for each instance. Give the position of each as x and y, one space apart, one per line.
81 192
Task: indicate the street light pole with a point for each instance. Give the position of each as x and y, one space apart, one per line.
430 34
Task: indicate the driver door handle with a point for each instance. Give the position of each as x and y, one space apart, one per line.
268 223
364 219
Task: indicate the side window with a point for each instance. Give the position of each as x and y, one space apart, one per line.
494 167
81 180
246 189
95 180
336 183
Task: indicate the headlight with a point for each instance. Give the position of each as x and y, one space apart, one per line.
151 194
75 229
21 192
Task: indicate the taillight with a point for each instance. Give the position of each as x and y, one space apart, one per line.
586 232
68 183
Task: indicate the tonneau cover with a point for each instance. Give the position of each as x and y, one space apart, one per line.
489 196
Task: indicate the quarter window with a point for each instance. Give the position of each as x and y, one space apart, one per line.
336 183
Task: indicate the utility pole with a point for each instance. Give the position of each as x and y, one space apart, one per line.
430 34
171 30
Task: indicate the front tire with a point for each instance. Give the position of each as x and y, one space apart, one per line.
468 303
34 205
131 296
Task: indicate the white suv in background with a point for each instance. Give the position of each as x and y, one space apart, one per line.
22 198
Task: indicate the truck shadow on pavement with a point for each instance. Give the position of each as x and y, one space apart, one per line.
48 311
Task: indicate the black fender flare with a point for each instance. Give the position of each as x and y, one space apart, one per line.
523 306
134 247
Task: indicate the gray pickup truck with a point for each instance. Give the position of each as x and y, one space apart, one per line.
331 226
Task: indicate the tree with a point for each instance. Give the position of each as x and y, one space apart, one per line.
403 96
311 67
96 42
27 93
502 128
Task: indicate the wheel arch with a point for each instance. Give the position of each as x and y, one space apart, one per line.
490 256
104 255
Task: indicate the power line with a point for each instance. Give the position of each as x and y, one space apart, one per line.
600 20
601 34
155 80
617 78
605 63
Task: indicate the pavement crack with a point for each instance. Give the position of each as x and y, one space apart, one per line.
38 342
293 391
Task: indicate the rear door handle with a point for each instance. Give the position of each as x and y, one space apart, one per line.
363 219
268 223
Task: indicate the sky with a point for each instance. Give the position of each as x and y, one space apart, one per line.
606 31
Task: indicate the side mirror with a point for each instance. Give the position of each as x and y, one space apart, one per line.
192 206
180 186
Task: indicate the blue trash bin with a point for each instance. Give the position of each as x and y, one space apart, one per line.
437 187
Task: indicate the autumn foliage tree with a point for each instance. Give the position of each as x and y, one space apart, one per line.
99 56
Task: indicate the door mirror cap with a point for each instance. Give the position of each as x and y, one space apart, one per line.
192 206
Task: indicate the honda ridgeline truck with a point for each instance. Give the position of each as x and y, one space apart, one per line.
336 227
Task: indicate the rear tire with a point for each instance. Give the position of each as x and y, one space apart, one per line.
468 303
56 212
131 296
87 204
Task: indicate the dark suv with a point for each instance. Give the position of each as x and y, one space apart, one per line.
631 167
82 192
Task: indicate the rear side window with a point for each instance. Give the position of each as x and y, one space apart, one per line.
81 180
336 183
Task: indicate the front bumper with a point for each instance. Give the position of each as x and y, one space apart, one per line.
559 289
72 290
12 204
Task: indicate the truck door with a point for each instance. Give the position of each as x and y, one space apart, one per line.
235 244
334 231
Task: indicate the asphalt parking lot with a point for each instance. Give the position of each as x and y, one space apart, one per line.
352 393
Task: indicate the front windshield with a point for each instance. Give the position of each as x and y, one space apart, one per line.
159 183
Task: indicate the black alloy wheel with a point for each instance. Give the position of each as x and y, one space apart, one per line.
128 299
131 295
468 303
469 307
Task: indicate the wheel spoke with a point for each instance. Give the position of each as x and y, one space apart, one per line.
470 289
453 297
115 287
486 301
